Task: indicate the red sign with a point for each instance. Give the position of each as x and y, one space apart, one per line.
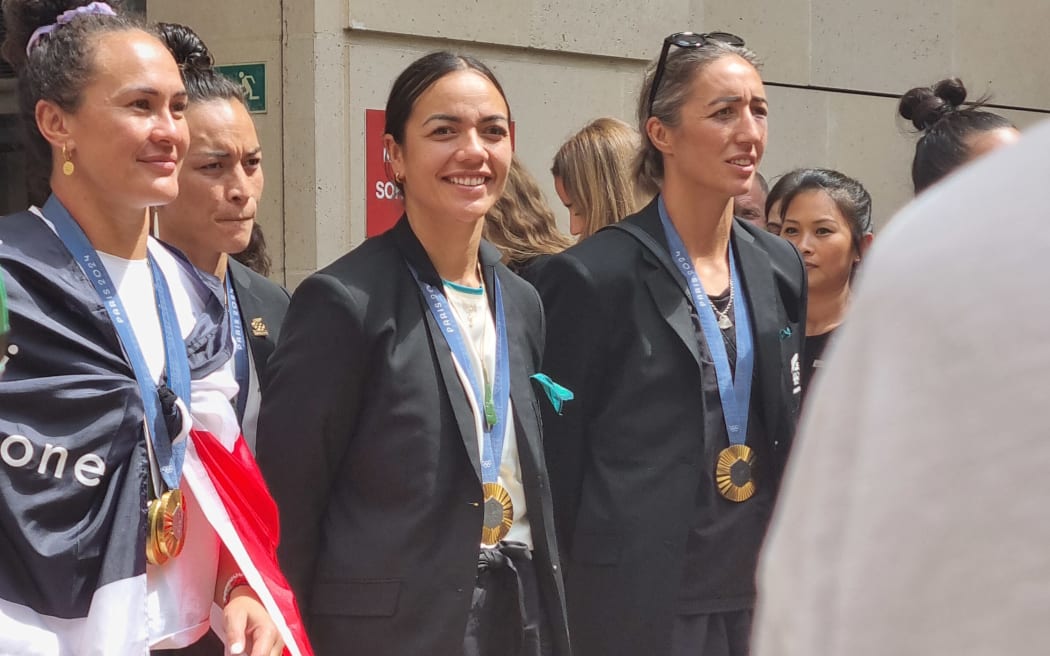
383 206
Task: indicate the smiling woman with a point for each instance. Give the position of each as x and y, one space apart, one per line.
117 379
415 508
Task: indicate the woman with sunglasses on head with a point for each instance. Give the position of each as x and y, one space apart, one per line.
116 532
399 430
679 331
220 185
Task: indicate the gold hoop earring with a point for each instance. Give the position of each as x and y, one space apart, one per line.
399 178
68 168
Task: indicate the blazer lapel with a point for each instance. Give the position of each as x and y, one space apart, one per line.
673 302
760 286
251 307
416 257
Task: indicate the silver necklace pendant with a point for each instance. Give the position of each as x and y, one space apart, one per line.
724 322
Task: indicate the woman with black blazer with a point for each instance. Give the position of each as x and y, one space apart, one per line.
399 433
220 185
679 331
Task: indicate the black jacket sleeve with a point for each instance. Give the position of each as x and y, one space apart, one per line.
309 408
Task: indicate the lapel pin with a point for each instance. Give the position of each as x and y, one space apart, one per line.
259 327
785 332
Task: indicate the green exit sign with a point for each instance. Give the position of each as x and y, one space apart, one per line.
251 78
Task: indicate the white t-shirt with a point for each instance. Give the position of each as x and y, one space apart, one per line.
914 518
479 330
179 593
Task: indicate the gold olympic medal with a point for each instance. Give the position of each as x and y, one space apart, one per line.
167 528
498 514
733 473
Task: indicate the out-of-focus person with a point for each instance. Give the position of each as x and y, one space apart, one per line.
123 477
913 516
400 431
594 178
752 205
5 324
220 184
679 330
521 224
774 220
827 216
952 132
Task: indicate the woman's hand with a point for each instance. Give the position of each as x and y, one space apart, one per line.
249 629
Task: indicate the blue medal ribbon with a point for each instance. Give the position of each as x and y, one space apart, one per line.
734 391
169 456
240 348
493 434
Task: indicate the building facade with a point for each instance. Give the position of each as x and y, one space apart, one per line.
831 66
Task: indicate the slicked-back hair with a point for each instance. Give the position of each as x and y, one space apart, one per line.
58 68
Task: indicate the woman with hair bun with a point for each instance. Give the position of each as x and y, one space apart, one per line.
220 185
124 484
952 134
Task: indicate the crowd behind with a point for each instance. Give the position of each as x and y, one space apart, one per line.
481 435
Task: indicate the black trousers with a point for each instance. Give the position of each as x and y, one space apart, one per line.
715 634
507 617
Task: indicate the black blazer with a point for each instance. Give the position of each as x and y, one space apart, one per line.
368 443
623 458
263 304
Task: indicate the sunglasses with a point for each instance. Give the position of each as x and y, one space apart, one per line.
686 40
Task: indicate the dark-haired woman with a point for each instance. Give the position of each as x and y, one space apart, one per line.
952 133
399 429
679 331
827 216
119 531
220 184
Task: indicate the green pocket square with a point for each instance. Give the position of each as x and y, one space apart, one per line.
557 394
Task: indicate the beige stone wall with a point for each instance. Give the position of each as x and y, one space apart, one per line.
565 62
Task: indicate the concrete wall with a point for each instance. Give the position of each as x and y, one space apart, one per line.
565 62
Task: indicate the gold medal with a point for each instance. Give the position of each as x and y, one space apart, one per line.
498 515
733 473
167 528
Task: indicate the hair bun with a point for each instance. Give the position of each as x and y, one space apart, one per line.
925 106
186 46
